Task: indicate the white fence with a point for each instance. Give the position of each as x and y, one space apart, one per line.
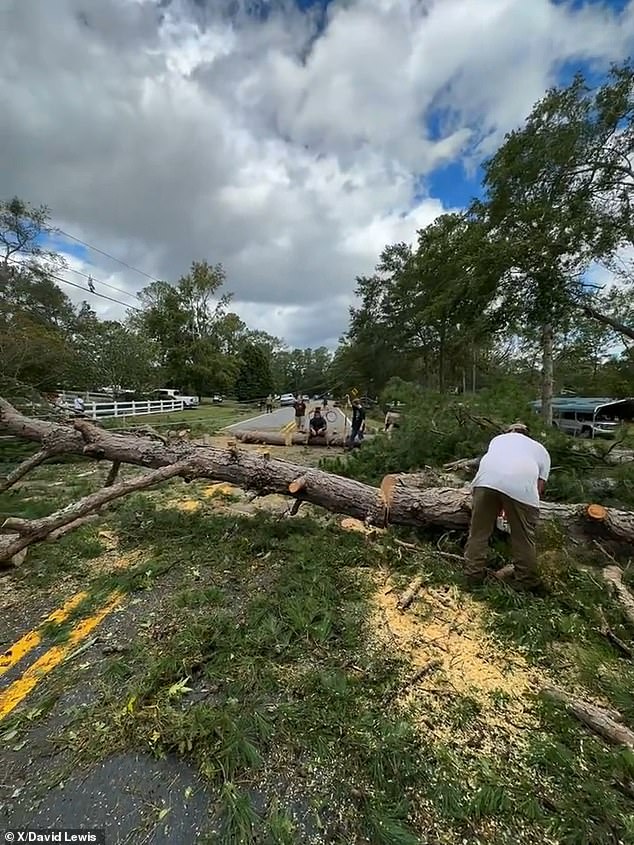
101 410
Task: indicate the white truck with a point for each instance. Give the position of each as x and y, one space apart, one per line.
170 393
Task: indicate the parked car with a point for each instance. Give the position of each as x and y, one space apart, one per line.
286 399
216 399
170 393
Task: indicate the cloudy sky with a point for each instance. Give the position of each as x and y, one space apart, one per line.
288 139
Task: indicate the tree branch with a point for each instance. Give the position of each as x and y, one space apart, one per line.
25 467
589 311
35 530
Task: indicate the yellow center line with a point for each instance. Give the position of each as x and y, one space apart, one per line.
20 688
33 638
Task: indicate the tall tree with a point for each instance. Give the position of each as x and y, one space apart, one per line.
254 379
559 195
112 355
189 322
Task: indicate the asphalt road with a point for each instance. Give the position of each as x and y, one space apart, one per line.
283 418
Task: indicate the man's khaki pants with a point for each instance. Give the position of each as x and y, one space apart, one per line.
522 519
300 423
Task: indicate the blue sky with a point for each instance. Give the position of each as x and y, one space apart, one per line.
290 146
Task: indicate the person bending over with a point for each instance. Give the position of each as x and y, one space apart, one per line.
510 479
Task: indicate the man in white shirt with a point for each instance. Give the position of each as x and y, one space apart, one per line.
79 408
511 478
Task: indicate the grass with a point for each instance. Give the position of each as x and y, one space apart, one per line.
259 657
207 419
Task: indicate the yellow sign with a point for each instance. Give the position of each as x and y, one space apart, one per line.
354 392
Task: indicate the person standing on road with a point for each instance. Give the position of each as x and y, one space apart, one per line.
269 404
511 479
300 413
358 422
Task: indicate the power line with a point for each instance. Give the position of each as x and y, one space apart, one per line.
80 287
107 254
91 278
94 292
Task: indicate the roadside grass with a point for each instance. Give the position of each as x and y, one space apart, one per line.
206 419
267 671
265 663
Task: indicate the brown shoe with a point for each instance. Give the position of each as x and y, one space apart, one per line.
505 574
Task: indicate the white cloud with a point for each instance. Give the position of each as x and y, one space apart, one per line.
166 133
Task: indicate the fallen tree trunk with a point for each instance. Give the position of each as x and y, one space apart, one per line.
442 506
295 438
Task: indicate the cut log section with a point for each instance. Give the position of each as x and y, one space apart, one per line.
606 723
441 506
614 576
410 594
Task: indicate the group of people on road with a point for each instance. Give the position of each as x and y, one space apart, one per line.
317 424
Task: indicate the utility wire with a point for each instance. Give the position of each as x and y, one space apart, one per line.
91 278
81 287
107 254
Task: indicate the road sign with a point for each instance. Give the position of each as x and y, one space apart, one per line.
354 392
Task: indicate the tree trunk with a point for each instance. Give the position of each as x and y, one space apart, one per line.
296 438
441 361
547 375
442 506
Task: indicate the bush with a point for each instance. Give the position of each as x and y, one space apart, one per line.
437 429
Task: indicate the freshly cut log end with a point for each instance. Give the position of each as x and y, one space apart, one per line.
597 512
298 485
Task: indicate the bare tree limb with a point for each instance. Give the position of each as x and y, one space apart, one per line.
112 475
25 467
602 721
35 530
608 321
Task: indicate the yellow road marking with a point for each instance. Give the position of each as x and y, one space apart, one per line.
289 426
20 688
33 638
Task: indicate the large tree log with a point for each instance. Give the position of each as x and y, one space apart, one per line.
295 438
444 507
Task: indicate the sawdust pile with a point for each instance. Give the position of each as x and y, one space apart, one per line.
226 499
112 558
444 631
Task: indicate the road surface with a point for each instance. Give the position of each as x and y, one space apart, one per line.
283 419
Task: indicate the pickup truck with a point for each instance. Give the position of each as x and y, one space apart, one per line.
169 393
